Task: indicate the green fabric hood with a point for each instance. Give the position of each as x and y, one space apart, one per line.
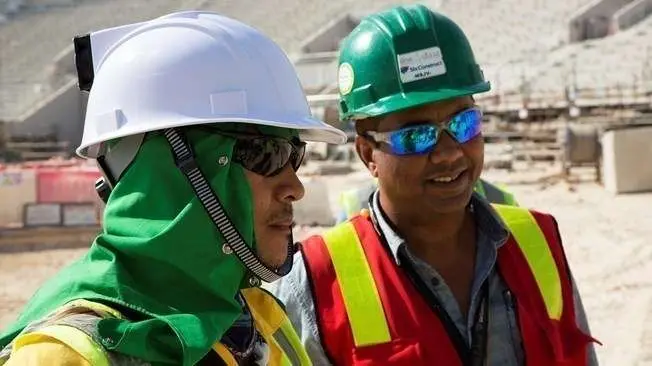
159 257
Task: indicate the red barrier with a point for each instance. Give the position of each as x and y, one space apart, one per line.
66 186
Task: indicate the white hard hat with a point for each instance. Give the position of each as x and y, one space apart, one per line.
193 68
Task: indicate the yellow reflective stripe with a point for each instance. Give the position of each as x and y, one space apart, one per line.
295 343
361 299
224 354
74 338
285 361
534 246
267 313
350 202
273 324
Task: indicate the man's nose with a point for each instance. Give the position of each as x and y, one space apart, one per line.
447 150
290 188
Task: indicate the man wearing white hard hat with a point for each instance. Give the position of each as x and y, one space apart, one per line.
198 124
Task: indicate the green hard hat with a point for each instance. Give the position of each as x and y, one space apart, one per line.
402 58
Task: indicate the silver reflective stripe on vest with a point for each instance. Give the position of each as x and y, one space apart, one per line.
78 318
87 323
286 347
39 324
4 354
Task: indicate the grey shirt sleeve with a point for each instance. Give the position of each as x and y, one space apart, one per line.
583 323
294 291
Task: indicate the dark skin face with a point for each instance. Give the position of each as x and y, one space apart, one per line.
273 198
406 181
431 216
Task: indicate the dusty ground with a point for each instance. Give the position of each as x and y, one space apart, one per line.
606 239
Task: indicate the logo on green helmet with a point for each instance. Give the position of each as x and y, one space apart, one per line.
421 64
345 78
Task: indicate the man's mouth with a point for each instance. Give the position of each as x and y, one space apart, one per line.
283 224
286 224
447 178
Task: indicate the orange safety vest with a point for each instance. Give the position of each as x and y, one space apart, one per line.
370 313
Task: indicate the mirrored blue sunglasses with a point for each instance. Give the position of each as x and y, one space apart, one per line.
422 138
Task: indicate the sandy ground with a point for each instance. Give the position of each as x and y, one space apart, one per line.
606 239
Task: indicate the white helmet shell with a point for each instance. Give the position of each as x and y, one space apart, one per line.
192 68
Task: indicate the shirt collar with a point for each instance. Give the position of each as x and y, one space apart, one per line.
487 220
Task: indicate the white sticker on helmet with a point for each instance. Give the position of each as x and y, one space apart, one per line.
421 64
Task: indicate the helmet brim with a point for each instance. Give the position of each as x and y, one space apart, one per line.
309 128
400 102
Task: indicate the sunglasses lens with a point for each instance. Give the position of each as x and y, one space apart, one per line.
298 155
413 140
268 156
466 125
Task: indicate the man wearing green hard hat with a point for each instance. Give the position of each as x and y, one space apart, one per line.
432 273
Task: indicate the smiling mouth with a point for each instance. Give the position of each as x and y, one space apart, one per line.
447 178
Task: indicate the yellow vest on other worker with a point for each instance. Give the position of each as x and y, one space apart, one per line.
269 318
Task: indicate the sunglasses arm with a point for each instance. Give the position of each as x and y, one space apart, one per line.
377 137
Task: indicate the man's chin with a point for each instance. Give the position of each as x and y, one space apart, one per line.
446 205
278 258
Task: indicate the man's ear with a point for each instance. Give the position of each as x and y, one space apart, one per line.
365 150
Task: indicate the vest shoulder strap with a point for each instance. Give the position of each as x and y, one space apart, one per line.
75 325
274 324
531 240
225 354
356 281
72 337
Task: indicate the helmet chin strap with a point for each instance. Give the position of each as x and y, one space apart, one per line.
185 161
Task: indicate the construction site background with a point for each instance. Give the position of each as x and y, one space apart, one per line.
568 130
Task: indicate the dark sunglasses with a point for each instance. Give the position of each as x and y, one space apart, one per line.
422 138
265 155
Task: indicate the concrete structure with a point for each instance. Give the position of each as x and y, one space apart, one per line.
594 20
523 46
59 115
627 153
609 71
631 14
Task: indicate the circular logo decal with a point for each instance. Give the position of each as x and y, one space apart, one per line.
345 78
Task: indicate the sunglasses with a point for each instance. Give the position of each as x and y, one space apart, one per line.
422 138
265 155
